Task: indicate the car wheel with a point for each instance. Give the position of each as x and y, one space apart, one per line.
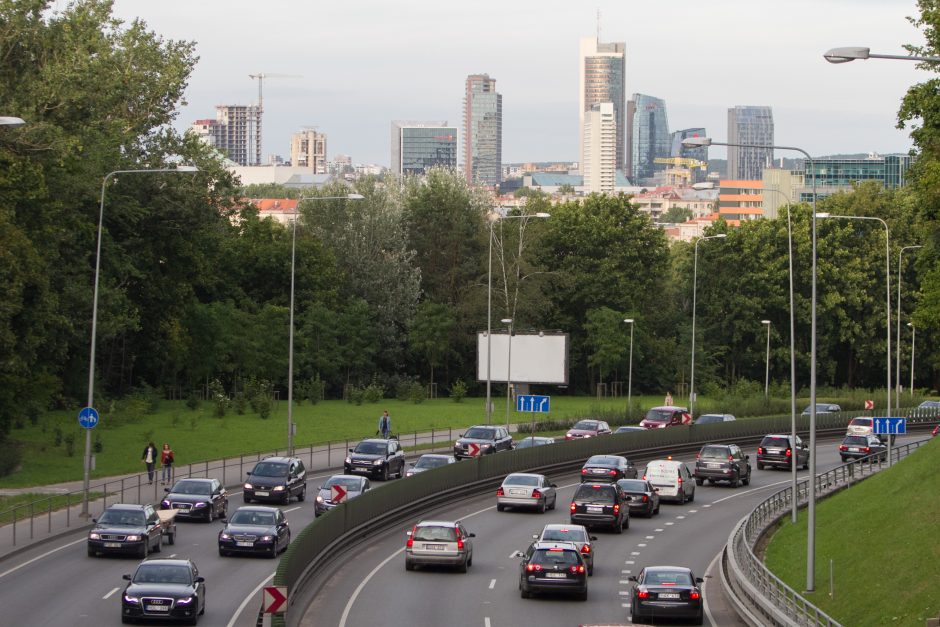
843 460
525 594
246 498
760 466
618 528
385 472
583 595
734 481
554 501
171 538
699 481
699 619
127 620
303 494
159 546
634 615
223 552
656 511
500 507
145 550
626 522
747 478
542 507
286 500
273 553
681 496
92 552
462 568
470 560
692 497
409 565
806 463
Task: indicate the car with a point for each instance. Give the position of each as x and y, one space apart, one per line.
200 499
861 425
439 543
722 462
255 529
276 479
666 416
482 440
337 489
607 468
666 592
587 429
705 419
862 446
777 450
929 405
380 458
642 497
935 431
672 480
534 440
164 589
629 429
521 489
823 408
576 534
429 461
553 567
126 528
600 505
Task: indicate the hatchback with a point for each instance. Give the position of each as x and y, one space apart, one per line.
587 429
705 419
429 461
600 504
576 534
862 446
339 489
861 425
522 489
439 543
553 567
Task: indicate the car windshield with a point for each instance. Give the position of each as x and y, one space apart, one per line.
346 482
526 480
119 517
371 448
201 488
777 442
252 518
162 573
587 425
668 578
602 460
445 534
431 462
480 433
658 415
564 535
861 422
594 494
270 469
855 440
714 452
632 485
560 557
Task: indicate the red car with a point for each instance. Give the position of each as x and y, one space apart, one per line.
587 429
936 430
666 416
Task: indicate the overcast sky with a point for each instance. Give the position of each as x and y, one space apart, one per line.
365 63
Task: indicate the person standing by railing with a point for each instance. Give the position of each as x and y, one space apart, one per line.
149 458
166 461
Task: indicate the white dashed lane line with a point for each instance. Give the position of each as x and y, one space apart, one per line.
492 583
108 596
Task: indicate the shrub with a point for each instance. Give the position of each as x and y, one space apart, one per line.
219 399
192 401
314 391
356 395
97 445
374 392
10 455
70 445
458 391
57 436
417 394
264 403
241 403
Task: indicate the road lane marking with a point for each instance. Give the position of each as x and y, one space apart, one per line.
293 509
680 517
708 612
492 583
625 582
772 485
658 530
623 593
629 562
107 596
693 511
247 599
650 537
670 523
641 545
39 557
634 552
486 621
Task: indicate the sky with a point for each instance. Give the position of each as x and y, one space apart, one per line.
360 65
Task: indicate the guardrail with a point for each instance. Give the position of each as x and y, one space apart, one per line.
750 584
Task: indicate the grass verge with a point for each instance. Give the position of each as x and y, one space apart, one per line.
42 503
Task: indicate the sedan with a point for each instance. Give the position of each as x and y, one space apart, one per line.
522 489
255 529
705 419
823 408
587 429
861 446
642 497
338 489
576 534
629 429
666 592
429 461
164 589
202 499
534 440
607 468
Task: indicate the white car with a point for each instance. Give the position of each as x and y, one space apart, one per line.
863 425
522 489
672 480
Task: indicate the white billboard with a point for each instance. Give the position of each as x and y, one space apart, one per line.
533 357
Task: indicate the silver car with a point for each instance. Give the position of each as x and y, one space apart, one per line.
522 489
439 543
576 534
429 461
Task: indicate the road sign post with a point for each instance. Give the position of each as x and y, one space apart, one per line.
534 403
274 599
890 427
88 417
337 494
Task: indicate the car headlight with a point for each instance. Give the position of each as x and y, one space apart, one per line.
409 473
200 504
130 599
94 536
267 538
486 446
378 462
184 601
348 460
586 435
248 486
165 504
319 499
279 488
133 538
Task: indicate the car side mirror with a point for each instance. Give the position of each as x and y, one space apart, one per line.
471 535
350 450
747 457
408 533
655 489
200 579
553 485
631 578
412 463
94 520
593 538
126 577
166 490
224 521
699 580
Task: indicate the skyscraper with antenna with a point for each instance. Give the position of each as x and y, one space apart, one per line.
602 68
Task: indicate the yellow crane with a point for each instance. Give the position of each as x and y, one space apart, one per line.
681 171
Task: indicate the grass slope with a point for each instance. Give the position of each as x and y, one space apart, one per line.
882 535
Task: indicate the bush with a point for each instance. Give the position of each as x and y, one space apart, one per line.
356 395
404 389
219 399
10 456
193 401
70 445
314 390
57 436
241 403
458 391
97 446
374 392
263 403
417 393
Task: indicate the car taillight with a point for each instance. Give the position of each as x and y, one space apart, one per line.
843 447
694 595
612 473
643 594
644 477
730 458
680 481
586 549
577 569
866 449
616 508
411 537
410 543
536 494
459 544
533 568
573 507
698 456
789 453
645 498
584 471
499 491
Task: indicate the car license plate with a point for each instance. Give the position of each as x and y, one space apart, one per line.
260 493
434 547
713 465
594 509
556 575
668 595
854 449
158 608
599 471
242 543
112 545
519 492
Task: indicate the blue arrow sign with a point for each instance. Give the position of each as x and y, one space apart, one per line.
88 417
533 403
889 426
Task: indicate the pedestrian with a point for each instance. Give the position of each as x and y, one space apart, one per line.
150 459
385 424
166 460
668 398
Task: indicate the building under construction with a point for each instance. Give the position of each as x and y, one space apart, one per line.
232 132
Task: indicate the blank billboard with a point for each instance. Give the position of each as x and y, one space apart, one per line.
533 357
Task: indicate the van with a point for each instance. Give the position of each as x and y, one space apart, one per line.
672 480
666 416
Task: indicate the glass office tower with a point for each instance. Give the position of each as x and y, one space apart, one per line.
649 130
754 126
482 131
417 146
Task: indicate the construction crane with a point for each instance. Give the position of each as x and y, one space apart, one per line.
681 171
260 108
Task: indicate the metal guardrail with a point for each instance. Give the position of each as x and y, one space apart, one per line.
751 586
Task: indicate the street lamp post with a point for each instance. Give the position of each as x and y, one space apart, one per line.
290 341
767 362
852 53
508 322
897 343
630 371
913 337
694 288
94 311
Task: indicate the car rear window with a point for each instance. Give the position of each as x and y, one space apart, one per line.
560 557
632 485
860 422
593 493
778 442
856 440
445 534
669 578
564 535
526 480
480 434
714 452
602 460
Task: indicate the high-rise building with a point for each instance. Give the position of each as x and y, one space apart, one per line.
602 69
418 146
231 131
308 150
600 149
699 153
482 131
649 137
753 126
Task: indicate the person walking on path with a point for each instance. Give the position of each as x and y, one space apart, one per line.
385 424
668 398
150 459
166 460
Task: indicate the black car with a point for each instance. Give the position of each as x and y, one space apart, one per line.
202 499
722 462
338 489
126 529
255 529
482 440
607 468
776 450
376 457
276 479
600 504
553 567
164 590
861 446
666 592
642 497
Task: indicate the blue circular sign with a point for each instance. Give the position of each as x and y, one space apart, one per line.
88 417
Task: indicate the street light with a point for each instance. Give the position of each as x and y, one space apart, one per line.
913 337
495 217
852 53
508 322
7 120
94 310
693 142
694 285
290 341
630 370
897 343
767 360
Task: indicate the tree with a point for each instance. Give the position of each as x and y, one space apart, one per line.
608 337
677 214
430 333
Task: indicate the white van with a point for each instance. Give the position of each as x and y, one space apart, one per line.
671 479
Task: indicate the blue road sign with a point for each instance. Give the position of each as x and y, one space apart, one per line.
533 403
88 417
890 426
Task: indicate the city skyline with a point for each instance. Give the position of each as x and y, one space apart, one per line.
362 69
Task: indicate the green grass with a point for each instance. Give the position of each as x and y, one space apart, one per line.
42 503
882 538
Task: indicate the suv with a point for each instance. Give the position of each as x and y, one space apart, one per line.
439 543
722 462
482 440
553 567
776 450
128 528
376 457
600 504
276 479
666 416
